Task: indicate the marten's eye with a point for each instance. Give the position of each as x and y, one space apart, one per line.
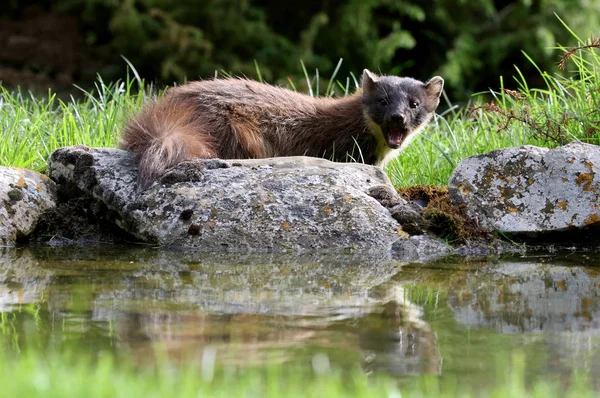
383 102
414 104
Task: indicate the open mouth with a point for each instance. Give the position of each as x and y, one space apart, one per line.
395 137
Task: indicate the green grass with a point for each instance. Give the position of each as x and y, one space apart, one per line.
566 109
31 128
431 157
61 375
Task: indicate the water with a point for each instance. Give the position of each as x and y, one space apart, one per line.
455 317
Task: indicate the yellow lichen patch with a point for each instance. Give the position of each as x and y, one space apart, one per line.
463 296
327 209
562 285
572 160
21 183
508 180
589 165
586 304
39 187
285 225
402 233
464 190
210 224
487 178
530 181
509 192
585 180
562 204
591 219
564 179
592 273
513 209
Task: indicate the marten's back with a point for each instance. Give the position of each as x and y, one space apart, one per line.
235 119
232 91
251 101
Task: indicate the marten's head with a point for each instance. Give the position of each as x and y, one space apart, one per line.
400 106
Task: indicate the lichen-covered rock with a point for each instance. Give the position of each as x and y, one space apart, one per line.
531 190
410 216
25 195
214 205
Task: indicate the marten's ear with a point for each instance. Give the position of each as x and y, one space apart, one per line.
434 87
368 80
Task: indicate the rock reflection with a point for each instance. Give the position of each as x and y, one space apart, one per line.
529 296
22 280
250 308
397 339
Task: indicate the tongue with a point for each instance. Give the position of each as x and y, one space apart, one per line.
394 139
395 135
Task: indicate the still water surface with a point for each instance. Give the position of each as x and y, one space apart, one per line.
455 317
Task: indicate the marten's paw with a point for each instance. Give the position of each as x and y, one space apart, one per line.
191 170
411 218
386 195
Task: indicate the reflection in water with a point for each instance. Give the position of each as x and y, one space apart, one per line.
516 297
360 309
398 340
556 305
249 308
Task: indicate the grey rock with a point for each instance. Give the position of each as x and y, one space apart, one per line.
386 195
237 205
421 248
411 217
25 195
531 190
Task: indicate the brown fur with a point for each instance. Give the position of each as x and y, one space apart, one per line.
237 118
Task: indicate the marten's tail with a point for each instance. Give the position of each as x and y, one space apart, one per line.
165 133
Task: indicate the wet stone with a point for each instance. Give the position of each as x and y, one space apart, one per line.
532 191
25 195
275 204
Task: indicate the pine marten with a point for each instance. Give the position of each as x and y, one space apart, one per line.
241 119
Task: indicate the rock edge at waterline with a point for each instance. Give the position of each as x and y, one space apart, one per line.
533 192
25 195
303 203
276 204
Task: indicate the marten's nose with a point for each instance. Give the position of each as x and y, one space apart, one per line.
397 117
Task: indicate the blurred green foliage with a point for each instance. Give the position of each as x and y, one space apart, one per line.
469 43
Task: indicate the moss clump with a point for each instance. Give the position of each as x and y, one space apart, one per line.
444 218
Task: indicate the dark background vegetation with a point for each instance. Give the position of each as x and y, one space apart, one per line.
55 43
